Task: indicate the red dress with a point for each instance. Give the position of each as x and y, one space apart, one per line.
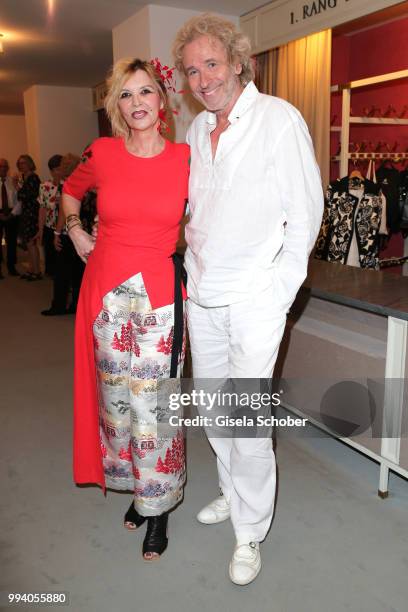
140 204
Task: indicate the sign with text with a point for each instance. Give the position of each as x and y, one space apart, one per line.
281 21
317 7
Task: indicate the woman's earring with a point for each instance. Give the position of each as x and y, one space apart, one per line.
163 124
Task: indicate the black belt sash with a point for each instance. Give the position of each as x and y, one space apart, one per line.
178 315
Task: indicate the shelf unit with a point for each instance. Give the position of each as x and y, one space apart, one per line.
347 120
371 155
379 120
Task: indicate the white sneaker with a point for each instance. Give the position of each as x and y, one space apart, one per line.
245 563
216 512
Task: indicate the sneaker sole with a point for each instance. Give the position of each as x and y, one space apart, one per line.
221 520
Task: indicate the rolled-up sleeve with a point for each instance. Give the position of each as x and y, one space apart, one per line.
300 190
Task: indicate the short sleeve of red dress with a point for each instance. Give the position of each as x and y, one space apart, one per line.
84 177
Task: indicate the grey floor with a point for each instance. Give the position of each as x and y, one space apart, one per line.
333 546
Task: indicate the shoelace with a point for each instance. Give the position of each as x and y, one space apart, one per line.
222 504
246 551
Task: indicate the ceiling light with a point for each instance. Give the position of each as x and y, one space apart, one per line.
51 8
1 43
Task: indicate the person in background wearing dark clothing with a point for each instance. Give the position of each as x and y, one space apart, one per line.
9 211
28 187
68 266
88 210
48 200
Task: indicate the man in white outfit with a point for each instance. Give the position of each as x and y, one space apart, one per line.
256 204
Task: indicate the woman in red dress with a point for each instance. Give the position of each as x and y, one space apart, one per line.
126 323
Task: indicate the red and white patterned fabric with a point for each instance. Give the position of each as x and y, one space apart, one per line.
133 351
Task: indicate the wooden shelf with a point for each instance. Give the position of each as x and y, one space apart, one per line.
383 78
379 120
348 121
372 155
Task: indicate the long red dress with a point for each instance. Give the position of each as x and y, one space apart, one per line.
140 203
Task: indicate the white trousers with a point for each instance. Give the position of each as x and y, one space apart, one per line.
240 341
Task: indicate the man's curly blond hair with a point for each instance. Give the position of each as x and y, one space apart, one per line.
237 44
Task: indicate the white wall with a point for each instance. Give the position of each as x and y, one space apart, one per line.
165 22
150 33
59 120
13 140
32 125
131 38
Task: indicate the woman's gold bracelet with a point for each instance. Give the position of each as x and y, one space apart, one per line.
71 216
72 225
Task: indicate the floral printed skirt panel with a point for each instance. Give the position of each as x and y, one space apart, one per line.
133 353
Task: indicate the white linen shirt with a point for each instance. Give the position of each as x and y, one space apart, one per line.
256 209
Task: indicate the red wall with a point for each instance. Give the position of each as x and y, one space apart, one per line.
376 51
373 52
379 50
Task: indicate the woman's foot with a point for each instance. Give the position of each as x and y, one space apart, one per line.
133 519
156 540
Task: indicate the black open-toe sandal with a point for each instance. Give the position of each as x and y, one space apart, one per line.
133 519
156 539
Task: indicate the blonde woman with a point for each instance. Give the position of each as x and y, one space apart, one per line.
125 327
27 193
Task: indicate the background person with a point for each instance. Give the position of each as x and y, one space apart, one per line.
10 210
48 200
27 193
69 267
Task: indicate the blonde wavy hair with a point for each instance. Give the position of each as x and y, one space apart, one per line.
120 73
237 44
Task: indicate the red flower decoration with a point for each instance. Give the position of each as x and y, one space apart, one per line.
167 76
87 154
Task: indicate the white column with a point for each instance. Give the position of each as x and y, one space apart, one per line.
32 124
131 38
149 34
58 120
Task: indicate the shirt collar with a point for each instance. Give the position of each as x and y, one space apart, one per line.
245 100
